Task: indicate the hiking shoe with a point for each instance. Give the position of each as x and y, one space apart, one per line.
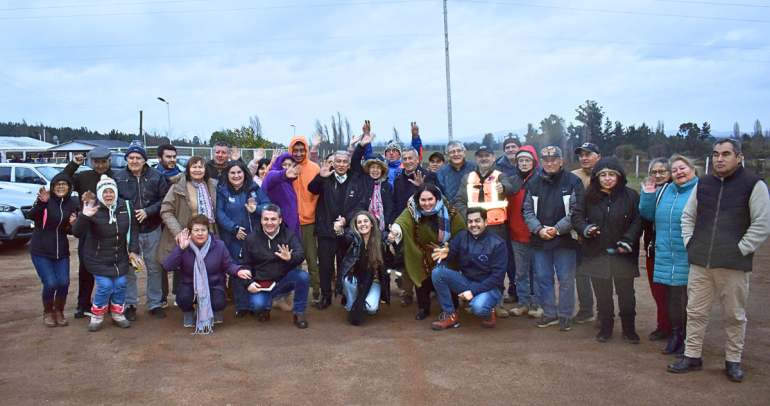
584 316
535 312
189 319
158 313
447 320
130 313
501 312
565 324
519 310
489 321
218 318
545 321
164 304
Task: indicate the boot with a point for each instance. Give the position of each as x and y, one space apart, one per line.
605 334
96 322
118 319
675 342
687 364
49 319
324 302
733 371
59 303
300 320
629 331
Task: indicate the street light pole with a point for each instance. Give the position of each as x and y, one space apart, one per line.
448 88
168 110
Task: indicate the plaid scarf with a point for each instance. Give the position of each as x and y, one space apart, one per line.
205 206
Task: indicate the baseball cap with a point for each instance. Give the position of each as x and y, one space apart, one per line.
588 147
485 148
551 151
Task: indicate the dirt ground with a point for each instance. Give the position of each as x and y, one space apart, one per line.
392 359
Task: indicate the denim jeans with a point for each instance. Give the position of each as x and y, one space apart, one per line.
148 244
350 290
296 280
186 296
522 254
585 292
55 275
561 261
448 282
110 290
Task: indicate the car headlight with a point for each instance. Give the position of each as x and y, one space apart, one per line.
6 207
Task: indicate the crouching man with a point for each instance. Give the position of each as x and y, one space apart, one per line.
482 258
270 259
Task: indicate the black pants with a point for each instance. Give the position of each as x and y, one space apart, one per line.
186 295
624 287
85 279
423 294
328 251
676 306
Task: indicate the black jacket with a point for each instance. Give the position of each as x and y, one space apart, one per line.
403 189
258 255
548 202
333 202
84 181
214 172
104 251
52 223
619 222
355 264
386 191
144 192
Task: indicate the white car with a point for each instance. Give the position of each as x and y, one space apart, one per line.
15 226
30 176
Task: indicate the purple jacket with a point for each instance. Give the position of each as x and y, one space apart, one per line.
280 191
218 262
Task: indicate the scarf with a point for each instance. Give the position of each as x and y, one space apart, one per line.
205 206
205 322
375 207
167 173
444 222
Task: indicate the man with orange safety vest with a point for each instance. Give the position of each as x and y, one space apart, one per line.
488 188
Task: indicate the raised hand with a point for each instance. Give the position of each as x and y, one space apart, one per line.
354 140
183 239
418 179
316 141
43 194
367 139
79 159
293 172
241 234
284 252
259 154
235 154
440 253
90 208
649 185
415 130
73 218
251 206
326 170
276 153
88 195
367 127
244 274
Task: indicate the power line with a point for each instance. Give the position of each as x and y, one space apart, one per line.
612 11
215 10
712 3
611 42
614 55
104 5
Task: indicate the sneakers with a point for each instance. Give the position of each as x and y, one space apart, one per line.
315 299
447 320
519 310
545 321
80 312
535 312
96 323
189 319
565 324
501 312
118 319
489 321
157 312
130 313
300 320
164 304
218 318
584 316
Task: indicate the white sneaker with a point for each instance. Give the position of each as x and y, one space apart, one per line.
519 310
535 312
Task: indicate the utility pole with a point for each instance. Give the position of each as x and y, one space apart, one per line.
141 132
448 87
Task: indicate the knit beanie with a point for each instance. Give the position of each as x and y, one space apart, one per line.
609 170
394 145
138 147
106 183
511 141
526 154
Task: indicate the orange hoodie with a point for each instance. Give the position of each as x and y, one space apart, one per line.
305 200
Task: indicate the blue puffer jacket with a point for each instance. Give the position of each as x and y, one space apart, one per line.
450 178
671 265
232 213
505 166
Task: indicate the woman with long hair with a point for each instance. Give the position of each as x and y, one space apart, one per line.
428 222
608 219
664 205
362 277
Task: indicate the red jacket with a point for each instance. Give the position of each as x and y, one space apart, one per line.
519 230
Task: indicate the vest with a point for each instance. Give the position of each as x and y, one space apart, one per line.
489 200
721 220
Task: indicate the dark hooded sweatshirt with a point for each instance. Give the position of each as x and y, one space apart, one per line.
49 239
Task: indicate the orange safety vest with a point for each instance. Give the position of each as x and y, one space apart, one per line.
496 207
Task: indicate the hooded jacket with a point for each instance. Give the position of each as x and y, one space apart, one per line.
143 192
620 225
516 224
306 201
49 238
280 190
105 250
505 166
232 213
259 255
218 262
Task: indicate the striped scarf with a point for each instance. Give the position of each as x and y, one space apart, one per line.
205 206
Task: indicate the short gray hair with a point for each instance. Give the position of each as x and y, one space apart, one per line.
341 152
410 149
736 144
662 161
454 143
272 207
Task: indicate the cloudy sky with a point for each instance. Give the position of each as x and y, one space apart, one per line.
95 64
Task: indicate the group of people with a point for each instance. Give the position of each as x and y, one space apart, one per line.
453 231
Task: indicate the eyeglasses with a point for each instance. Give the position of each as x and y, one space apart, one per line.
61 184
454 152
661 172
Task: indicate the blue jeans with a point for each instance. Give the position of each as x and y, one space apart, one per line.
110 290
522 254
561 261
55 275
350 290
296 280
148 243
447 282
